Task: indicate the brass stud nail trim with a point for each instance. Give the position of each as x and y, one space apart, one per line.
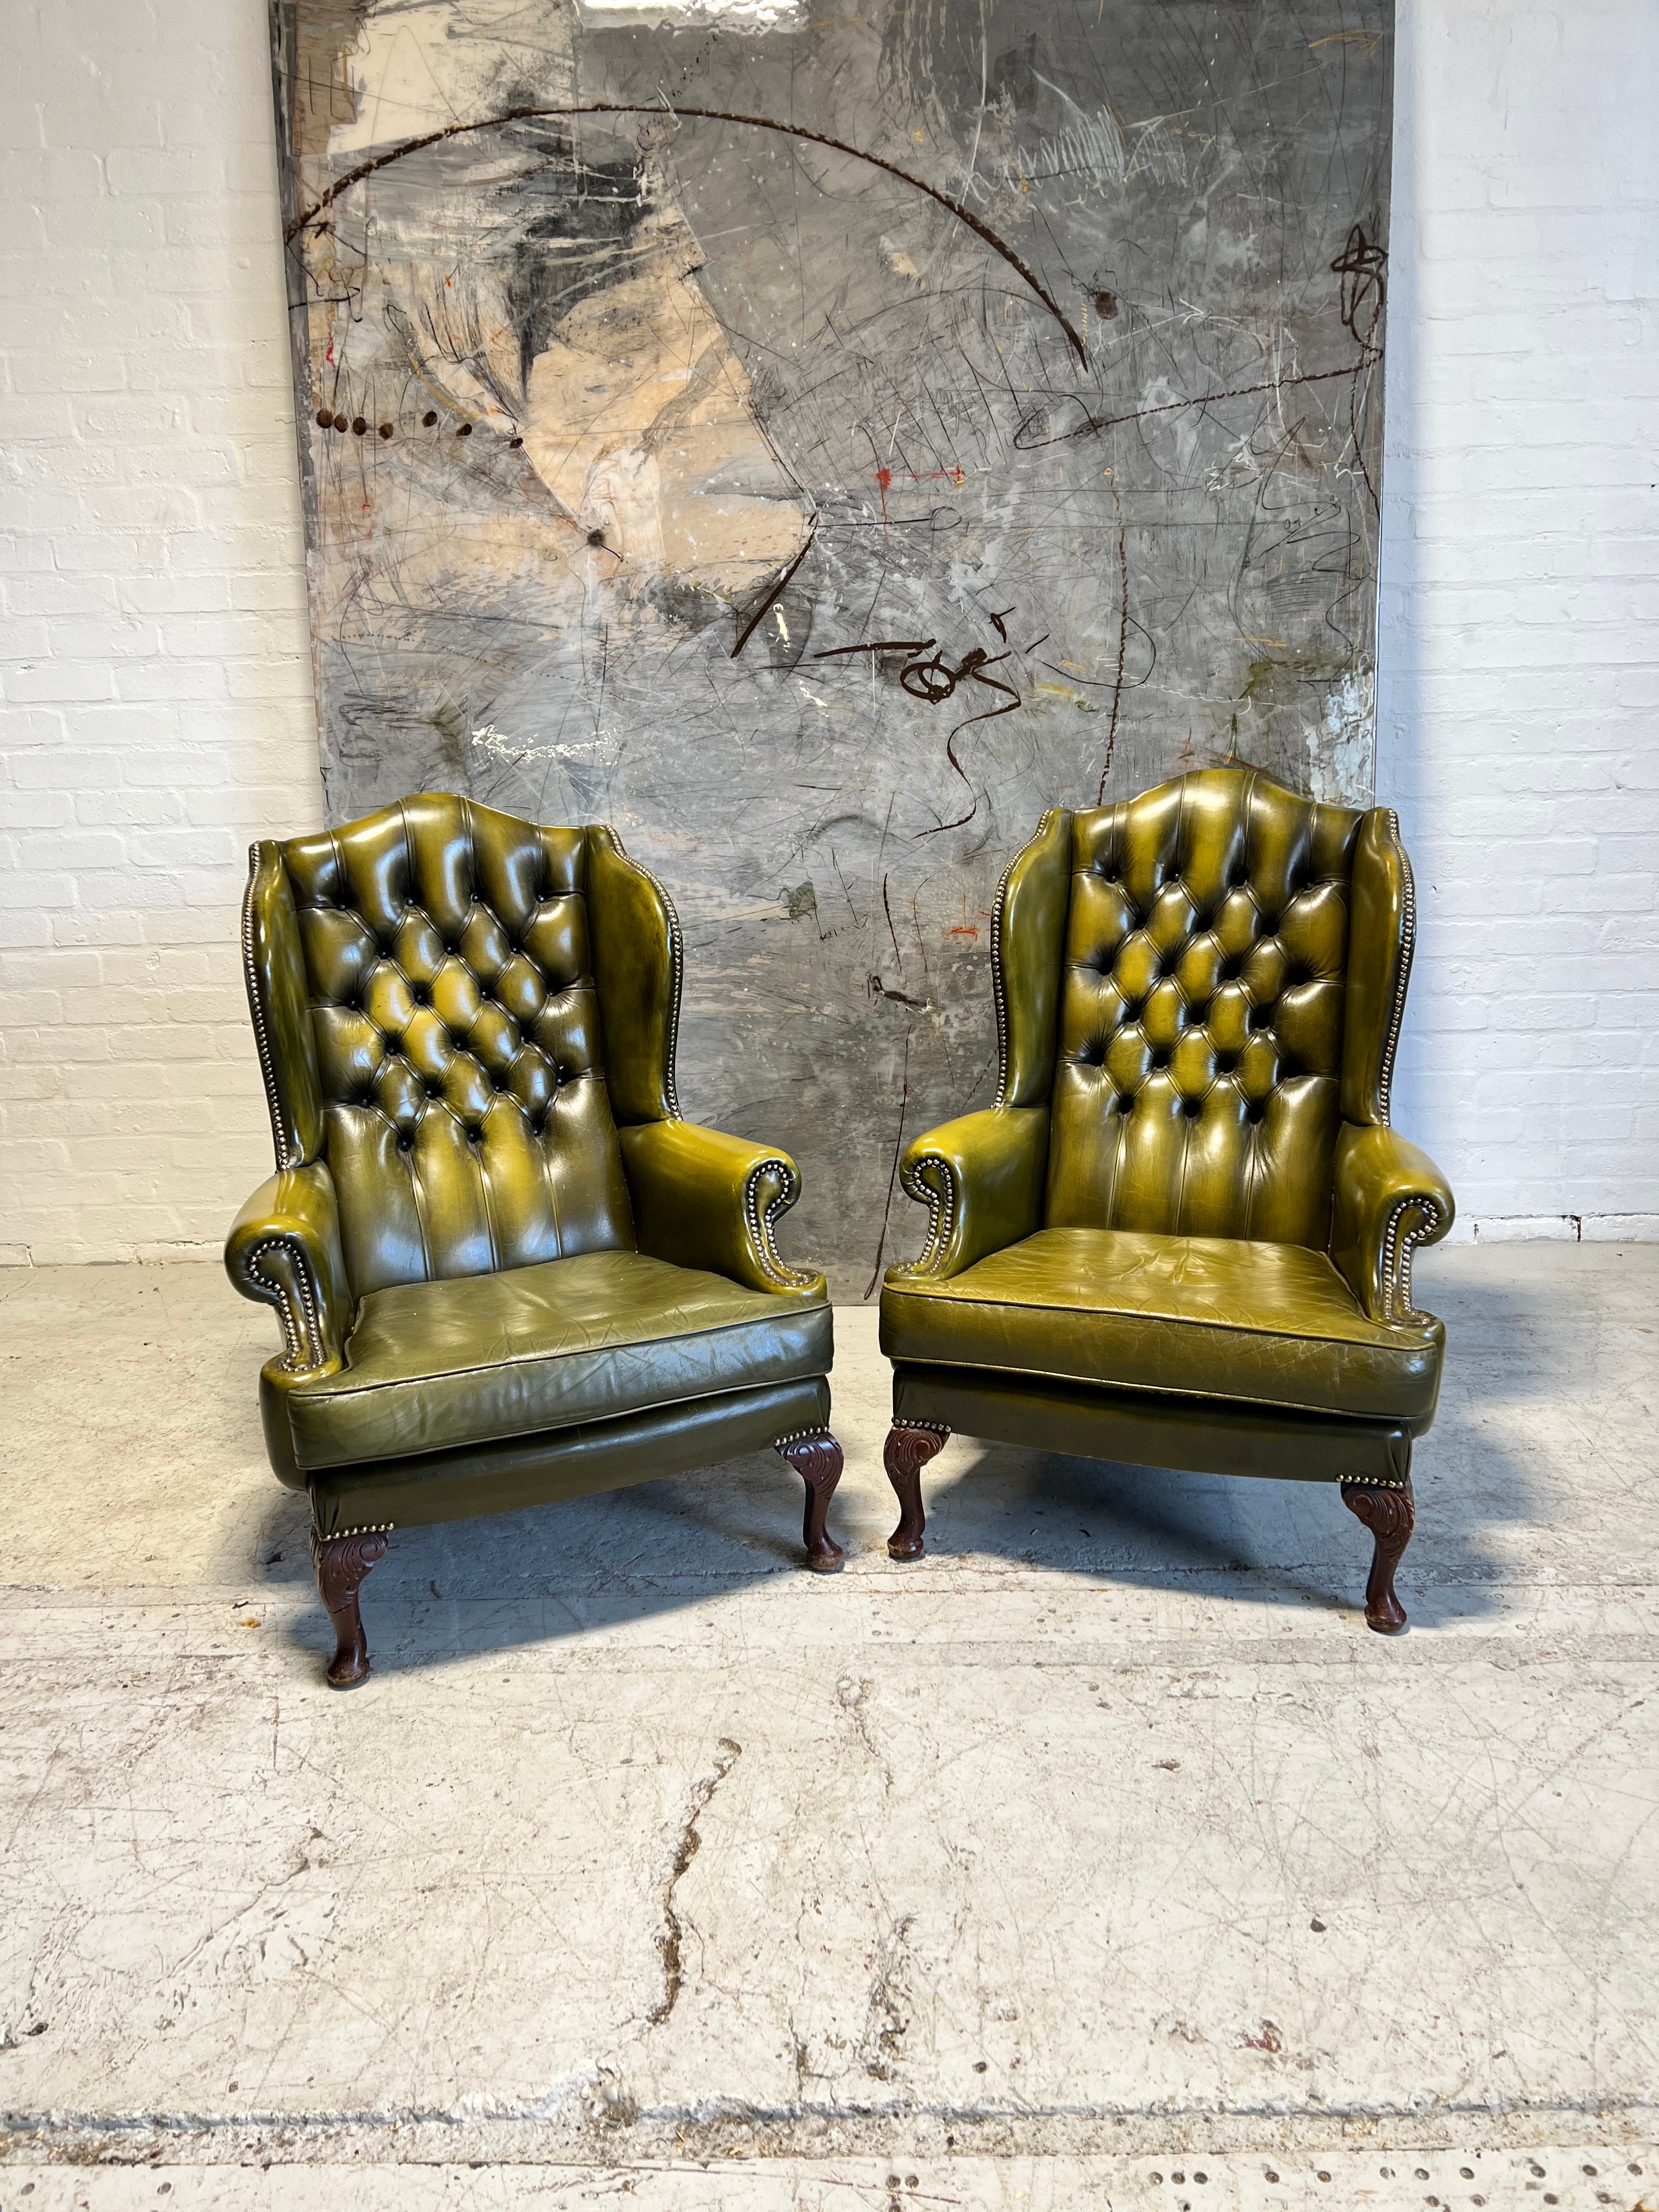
302 1331
286 1157
761 1225
1407 950
676 965
998 907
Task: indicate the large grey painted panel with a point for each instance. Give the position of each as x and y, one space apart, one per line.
816 443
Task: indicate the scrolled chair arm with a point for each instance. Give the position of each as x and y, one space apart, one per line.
981 1178
284 1250
1390 1199
702 1199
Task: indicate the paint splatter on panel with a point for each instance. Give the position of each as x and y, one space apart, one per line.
815 441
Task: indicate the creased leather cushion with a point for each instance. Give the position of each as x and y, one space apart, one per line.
1200 1316
476 1358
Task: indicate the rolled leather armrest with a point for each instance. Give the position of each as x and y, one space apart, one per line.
981 1178
704 1200
284 1250
1390 1198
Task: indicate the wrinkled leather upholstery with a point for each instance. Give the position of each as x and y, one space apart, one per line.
1141 1428
476 1359
1187 1186
1204 1316
520 1471
489 1233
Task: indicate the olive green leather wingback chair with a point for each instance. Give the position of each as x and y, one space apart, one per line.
1182 1235
506 1270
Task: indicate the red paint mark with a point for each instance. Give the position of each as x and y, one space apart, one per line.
884 477
329 356
974 933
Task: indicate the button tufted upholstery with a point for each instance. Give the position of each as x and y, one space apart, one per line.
506 1268
1201 1014
459 1059
1187 1194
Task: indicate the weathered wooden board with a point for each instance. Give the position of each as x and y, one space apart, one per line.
816 441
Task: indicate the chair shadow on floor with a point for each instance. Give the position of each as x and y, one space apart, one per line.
459 1588
558 1572
462 1589
1287 1543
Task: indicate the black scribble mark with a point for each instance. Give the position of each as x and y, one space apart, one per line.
1361 265
898 1147
936 681
1364 291
995 622
972 666
877 989
1122 640
727 1754
774 592
709 115
891 931
1091 424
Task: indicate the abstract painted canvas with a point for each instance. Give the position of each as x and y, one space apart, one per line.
817 438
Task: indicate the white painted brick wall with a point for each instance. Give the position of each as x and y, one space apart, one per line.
157 711
1520 632
154 652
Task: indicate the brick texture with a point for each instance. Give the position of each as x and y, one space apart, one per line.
1520 608
156 708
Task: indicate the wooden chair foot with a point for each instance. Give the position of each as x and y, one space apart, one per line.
910 1445
1390 1515
815 1457
343 1564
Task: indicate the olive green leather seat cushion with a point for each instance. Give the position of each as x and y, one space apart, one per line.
565 1342
1203 1317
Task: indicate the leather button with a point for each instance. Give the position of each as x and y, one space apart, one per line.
1253 1113
1192 1108
1125 1102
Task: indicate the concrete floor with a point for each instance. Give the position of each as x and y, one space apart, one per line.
1102 1857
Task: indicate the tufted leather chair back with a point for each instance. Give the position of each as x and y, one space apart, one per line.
1203 1004
424 996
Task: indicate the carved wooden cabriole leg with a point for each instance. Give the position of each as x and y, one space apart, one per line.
1390 1515
815 1457
910 1445
342 1563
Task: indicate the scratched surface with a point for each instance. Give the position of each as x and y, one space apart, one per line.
1108 1829
817 446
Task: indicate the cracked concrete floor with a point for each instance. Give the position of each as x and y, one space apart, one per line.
1103 1855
